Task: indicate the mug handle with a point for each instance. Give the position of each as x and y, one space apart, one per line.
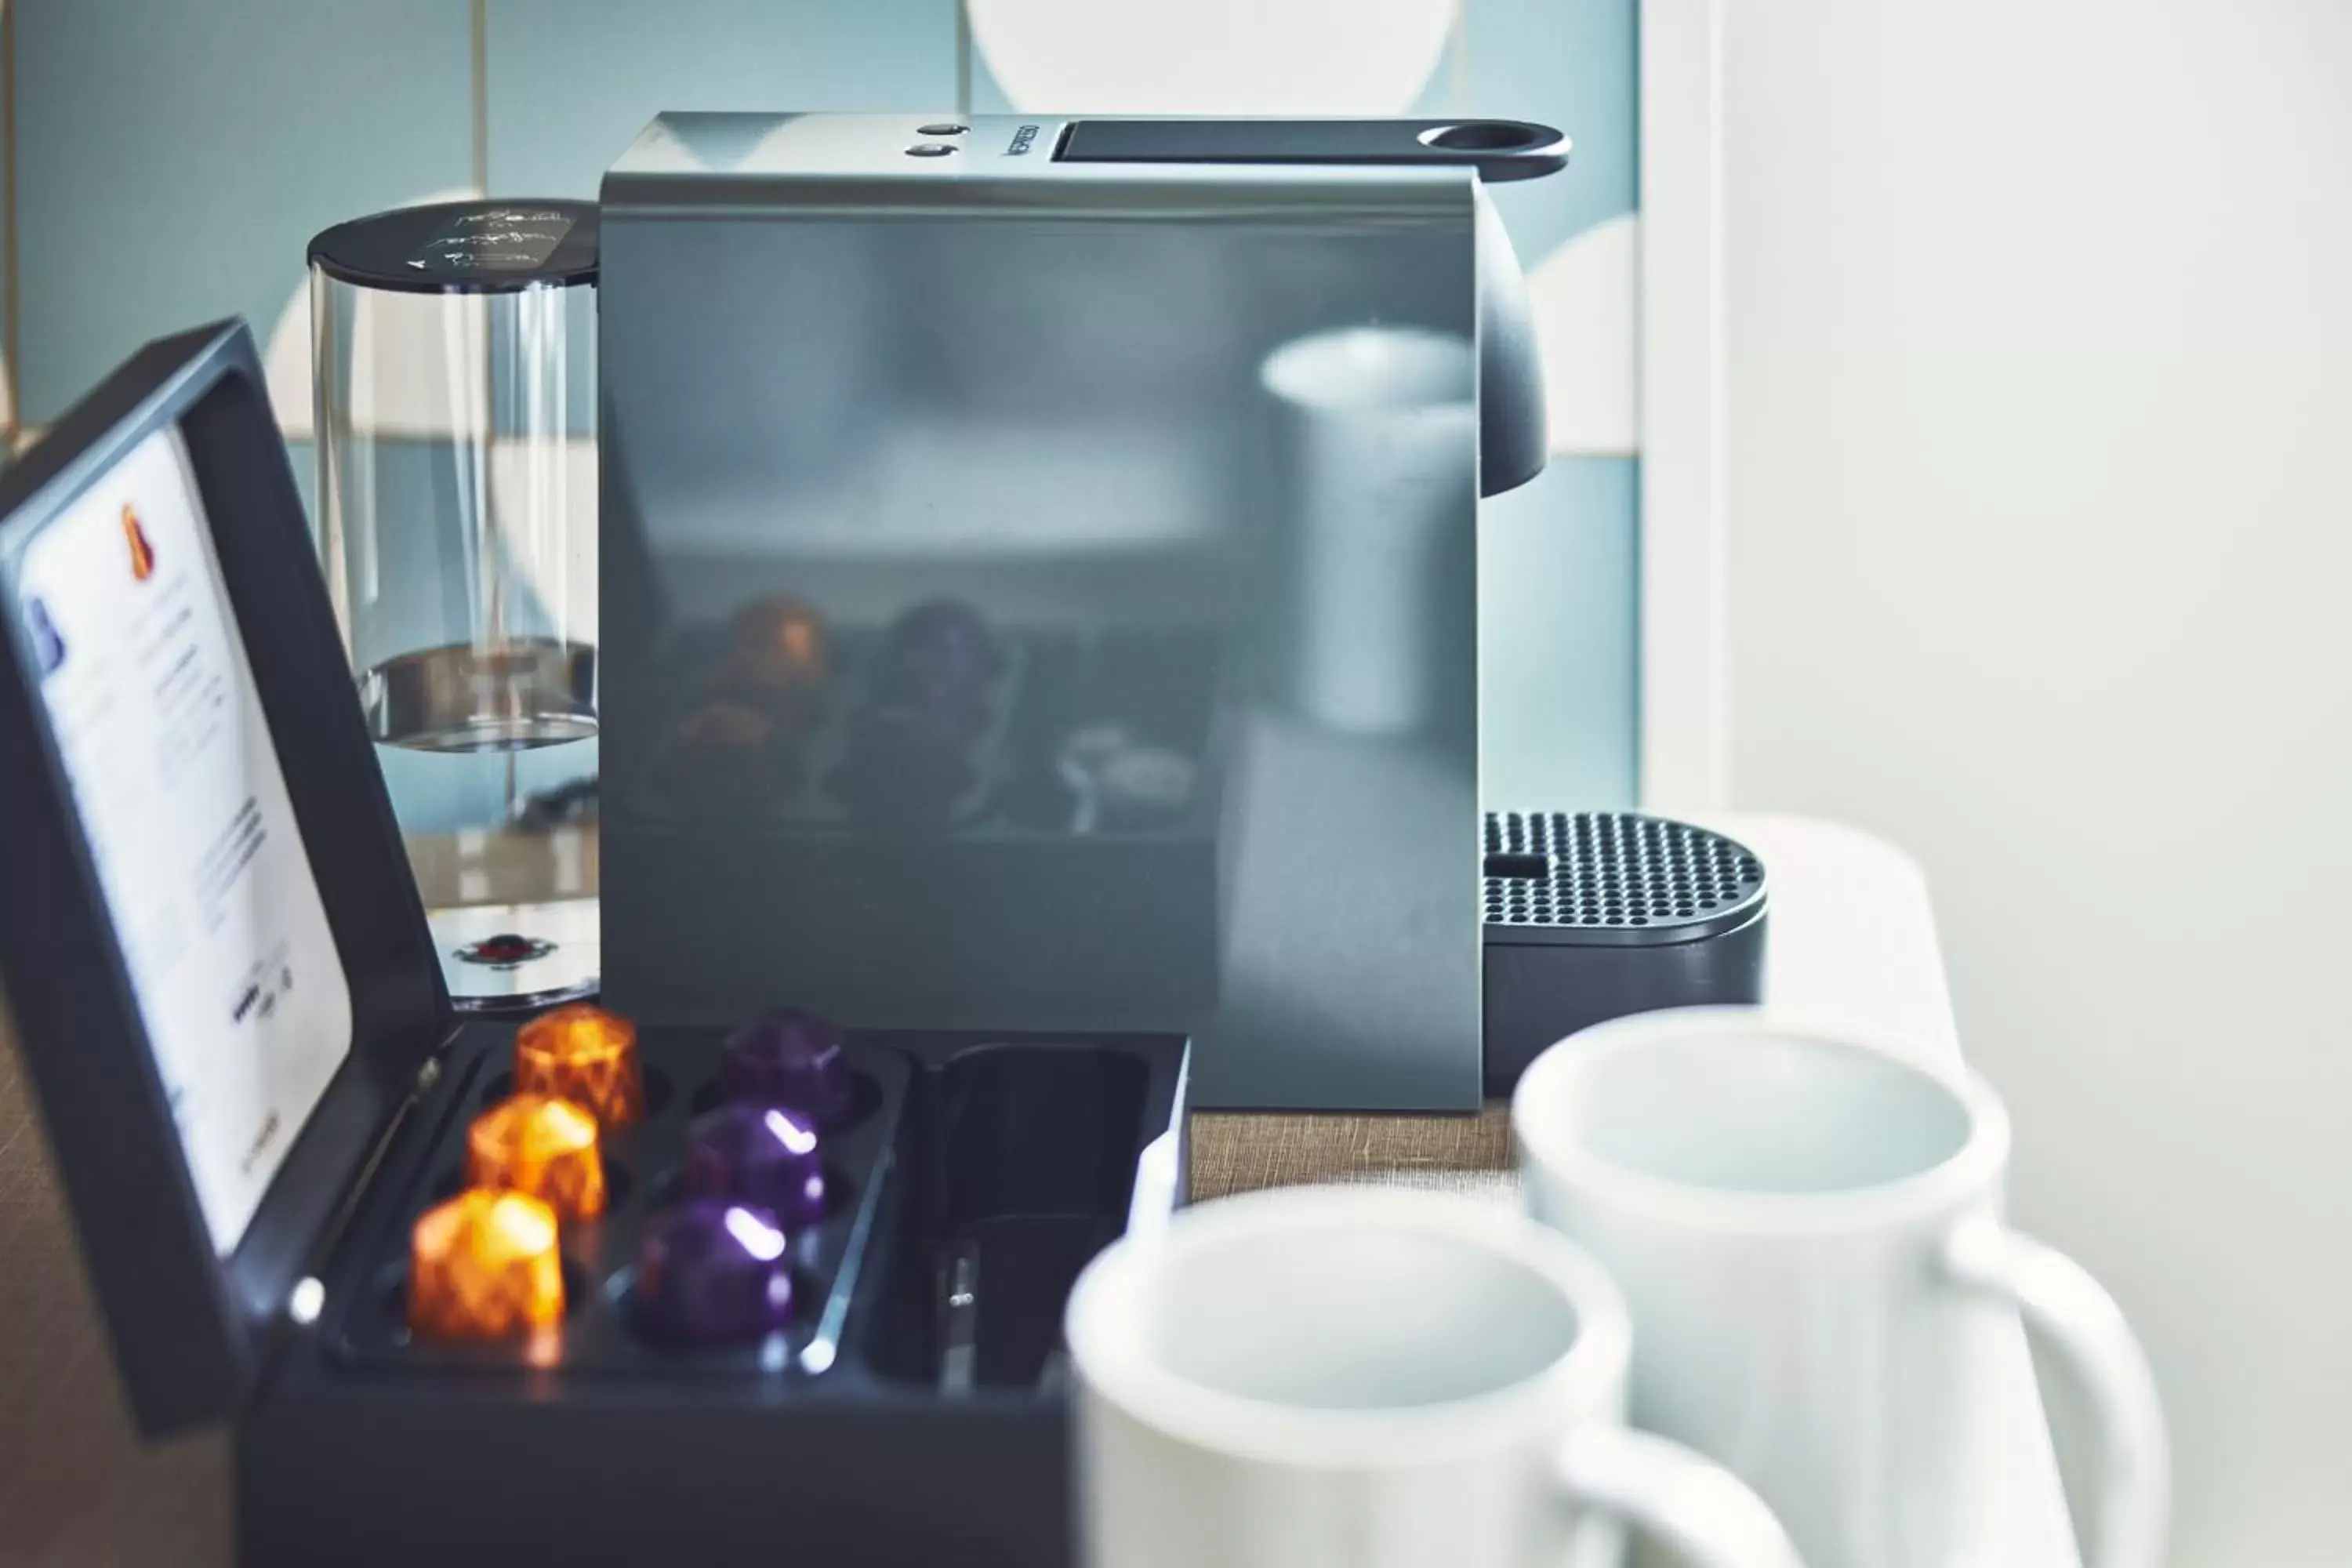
1678 1496
2080 1323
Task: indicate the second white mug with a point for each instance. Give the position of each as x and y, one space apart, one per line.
1807 1227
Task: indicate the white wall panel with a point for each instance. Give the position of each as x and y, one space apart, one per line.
2040 375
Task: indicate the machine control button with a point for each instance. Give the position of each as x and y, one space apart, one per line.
944 128
929 150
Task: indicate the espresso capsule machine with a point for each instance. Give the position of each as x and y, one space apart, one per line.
1040 573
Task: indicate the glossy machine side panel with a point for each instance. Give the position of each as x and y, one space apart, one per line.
868 381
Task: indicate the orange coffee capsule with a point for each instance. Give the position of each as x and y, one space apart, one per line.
537 1144
586 1055
782 632
485 1266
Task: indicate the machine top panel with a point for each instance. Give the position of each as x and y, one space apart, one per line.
922 161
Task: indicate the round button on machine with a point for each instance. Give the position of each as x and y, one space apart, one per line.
944 128
929 150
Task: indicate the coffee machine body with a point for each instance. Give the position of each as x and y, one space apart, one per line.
1040 573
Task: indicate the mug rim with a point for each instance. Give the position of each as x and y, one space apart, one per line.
1546 1152
1106 1337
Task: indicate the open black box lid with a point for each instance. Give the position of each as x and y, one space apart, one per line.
192 1323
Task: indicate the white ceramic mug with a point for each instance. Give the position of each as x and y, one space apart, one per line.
1807 1227
1356 1378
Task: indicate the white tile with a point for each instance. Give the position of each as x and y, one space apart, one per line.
1587 302
1212 57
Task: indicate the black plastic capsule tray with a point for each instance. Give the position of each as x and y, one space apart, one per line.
642 1171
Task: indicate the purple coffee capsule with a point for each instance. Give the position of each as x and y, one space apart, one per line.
789 1059
759 1154
712 1272
945 638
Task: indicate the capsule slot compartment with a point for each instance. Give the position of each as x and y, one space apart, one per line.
1022 1163
641 1165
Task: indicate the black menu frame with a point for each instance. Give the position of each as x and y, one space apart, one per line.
192 1329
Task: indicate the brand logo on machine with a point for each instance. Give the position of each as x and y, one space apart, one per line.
1020 140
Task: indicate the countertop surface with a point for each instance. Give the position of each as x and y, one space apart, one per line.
1853 935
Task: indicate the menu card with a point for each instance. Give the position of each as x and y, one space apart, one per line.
177 784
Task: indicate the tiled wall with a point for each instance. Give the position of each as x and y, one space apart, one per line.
172 157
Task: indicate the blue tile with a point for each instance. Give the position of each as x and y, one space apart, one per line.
1558 628
1561 600
1572 64
572 82
174 159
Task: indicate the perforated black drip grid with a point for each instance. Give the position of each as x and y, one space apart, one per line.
1614 877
